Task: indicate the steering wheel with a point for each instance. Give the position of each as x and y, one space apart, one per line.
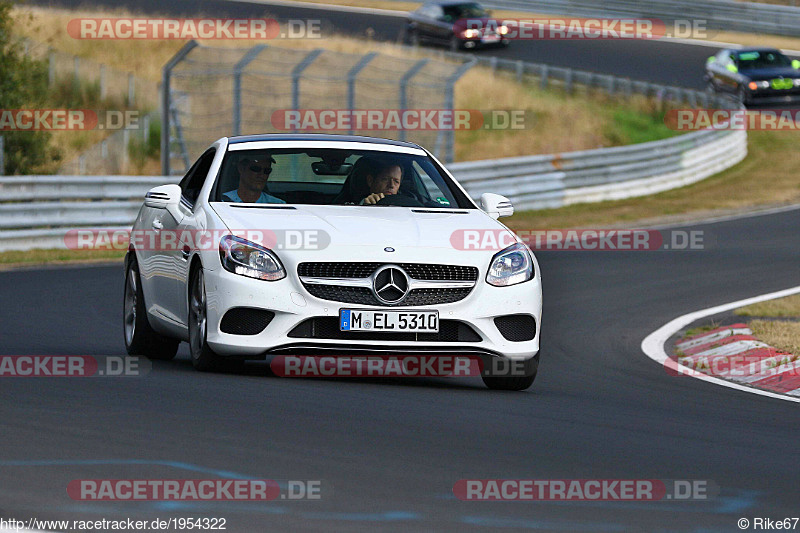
399 200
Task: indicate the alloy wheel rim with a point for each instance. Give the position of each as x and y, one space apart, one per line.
130 306
198 309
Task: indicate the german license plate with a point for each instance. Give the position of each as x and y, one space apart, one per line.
491 38
369 320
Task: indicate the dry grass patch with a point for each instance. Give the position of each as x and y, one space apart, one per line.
780 334
44 257
780 307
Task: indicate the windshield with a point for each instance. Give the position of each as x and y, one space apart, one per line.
335 177
756 60
464 11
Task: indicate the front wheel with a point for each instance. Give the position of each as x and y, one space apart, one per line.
514 382
140 338
203 357
741 95
455 44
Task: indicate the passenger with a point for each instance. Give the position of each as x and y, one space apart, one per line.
253 176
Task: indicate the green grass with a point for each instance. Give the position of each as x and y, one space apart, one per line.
628 126
44 257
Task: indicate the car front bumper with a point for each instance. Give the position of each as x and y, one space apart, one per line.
292 305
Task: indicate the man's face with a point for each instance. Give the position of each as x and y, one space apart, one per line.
253 174
387 182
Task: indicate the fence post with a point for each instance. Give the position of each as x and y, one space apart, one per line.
520 70
146 132
351 83
166 73
297 71
126 141
131 89
2 157
568 81
51 69
545 74
102 81
76 70
450 142
237 86
404 81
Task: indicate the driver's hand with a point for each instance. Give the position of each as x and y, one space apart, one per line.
373 198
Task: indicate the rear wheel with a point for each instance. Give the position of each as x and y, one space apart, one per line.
203 357
140 338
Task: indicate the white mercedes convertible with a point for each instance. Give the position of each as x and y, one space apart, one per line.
281 244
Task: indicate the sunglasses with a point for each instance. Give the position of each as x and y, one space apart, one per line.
259 170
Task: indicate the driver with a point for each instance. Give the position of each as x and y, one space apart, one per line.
383 179
253 176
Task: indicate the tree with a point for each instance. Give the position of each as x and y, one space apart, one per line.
23 85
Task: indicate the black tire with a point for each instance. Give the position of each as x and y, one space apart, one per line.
741 96
140 338
514 383
413 37
203 357
455 44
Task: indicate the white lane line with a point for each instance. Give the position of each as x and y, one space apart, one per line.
326 7
724 218
653 344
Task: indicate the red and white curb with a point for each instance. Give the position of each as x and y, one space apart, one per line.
732 352
737 337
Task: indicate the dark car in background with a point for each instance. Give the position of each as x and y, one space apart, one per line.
459 25
754 75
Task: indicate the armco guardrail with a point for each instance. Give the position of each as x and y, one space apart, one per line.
545 181
37 211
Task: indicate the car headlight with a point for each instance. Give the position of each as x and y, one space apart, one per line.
797 82
470 33
753 85
249 259
502 30
510 266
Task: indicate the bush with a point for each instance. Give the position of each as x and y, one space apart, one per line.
23 84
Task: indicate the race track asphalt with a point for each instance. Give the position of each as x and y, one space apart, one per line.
389 451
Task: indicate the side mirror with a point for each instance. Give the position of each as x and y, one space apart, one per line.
165 197
496 206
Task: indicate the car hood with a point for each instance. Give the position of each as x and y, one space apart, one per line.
769 73
359 231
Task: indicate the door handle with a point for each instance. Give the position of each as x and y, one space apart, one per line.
157 224
186 252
